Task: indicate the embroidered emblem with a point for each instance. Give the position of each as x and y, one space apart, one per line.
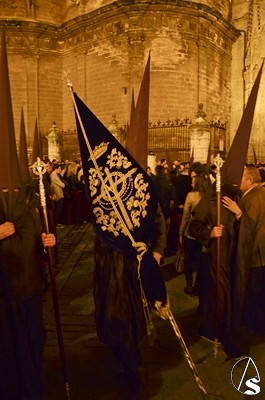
117 189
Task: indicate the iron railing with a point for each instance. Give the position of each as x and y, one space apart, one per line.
170 140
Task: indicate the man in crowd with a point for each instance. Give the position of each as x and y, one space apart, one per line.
250 267
242 258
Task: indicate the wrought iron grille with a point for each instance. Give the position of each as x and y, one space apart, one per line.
170 140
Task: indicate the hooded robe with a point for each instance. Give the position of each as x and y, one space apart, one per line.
22 333
119 313
204 219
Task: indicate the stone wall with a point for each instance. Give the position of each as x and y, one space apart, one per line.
103 46
248 53
60 11
52 11
35 69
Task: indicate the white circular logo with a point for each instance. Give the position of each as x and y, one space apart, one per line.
245 376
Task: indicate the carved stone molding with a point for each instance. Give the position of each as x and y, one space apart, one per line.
8 4
119 19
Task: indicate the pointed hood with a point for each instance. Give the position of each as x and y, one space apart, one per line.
137 138
23 152
233 167
9 170
36 148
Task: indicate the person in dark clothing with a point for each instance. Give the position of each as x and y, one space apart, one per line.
22 276
192 248
129 242
166 192
182 186
167 197
249 298
217 324
120 319
22 279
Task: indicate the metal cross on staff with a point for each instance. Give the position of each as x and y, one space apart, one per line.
218 162
39 168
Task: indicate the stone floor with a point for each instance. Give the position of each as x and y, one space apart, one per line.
92 372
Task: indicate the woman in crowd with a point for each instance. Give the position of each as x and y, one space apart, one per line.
192 248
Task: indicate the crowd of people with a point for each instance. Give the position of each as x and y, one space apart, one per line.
226 300
127 282
65 192
231 299
186 219
230 290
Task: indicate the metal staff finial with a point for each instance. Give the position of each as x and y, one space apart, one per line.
69 83
39 168
218 162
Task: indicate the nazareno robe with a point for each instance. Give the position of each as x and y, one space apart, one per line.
119 313
204 219
250 270
22 332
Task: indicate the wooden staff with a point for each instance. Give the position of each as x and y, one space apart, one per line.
39 169
218 162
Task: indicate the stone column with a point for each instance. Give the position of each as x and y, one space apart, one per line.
200 136
151 162
53 138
